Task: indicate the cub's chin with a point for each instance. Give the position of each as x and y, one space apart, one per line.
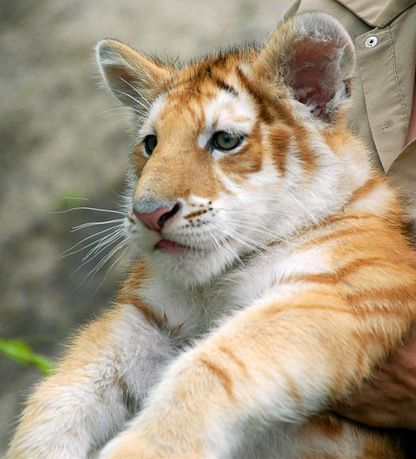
186 266
174 261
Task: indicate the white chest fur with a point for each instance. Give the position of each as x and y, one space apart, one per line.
197 310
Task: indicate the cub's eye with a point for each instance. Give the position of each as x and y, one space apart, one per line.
150 142
226 141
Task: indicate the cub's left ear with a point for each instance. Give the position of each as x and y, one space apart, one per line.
133 78
314 56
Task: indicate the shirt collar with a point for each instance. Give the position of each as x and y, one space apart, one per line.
377 13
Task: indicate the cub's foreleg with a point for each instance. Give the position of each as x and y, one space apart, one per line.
98 385
280 360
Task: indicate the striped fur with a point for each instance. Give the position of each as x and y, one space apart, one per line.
290 281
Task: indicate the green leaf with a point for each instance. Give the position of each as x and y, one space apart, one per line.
21 352
70 199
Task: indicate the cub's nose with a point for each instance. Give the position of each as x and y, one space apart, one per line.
156 219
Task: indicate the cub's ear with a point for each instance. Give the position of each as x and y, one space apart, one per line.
313 55
135 79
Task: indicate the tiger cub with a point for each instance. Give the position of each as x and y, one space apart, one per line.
271 275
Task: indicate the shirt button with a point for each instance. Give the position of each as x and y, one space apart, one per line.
371 41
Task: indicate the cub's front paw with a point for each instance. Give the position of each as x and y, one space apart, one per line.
128 446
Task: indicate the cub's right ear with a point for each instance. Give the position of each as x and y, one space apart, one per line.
135 79
312 55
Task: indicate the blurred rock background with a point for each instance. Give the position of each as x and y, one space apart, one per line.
61 139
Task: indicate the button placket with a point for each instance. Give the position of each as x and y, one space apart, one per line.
387 118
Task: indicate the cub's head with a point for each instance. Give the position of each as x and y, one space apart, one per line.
235 151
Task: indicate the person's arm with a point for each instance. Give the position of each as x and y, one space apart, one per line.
390 399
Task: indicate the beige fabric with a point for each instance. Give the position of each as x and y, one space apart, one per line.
377 13
385 77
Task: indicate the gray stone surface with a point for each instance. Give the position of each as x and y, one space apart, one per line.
60 137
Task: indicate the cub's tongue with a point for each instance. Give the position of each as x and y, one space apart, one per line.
169 246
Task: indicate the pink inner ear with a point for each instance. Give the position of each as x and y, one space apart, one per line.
313 73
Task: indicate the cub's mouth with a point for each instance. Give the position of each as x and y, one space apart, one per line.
172 247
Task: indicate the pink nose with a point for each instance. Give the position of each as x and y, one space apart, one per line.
156 220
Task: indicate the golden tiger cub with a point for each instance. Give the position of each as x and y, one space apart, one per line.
272 274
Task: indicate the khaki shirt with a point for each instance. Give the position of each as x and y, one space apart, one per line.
384 34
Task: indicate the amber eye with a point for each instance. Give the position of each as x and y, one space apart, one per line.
150 142
226 141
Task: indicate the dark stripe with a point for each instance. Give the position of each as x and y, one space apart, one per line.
128 399
222 376
262 104
224 86
234 358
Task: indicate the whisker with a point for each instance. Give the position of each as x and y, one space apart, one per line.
113 251
259 229
117 110
102 244
89 224
250 244
99 245
307 211
71 250
86 261
222 244
112 265
95 209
